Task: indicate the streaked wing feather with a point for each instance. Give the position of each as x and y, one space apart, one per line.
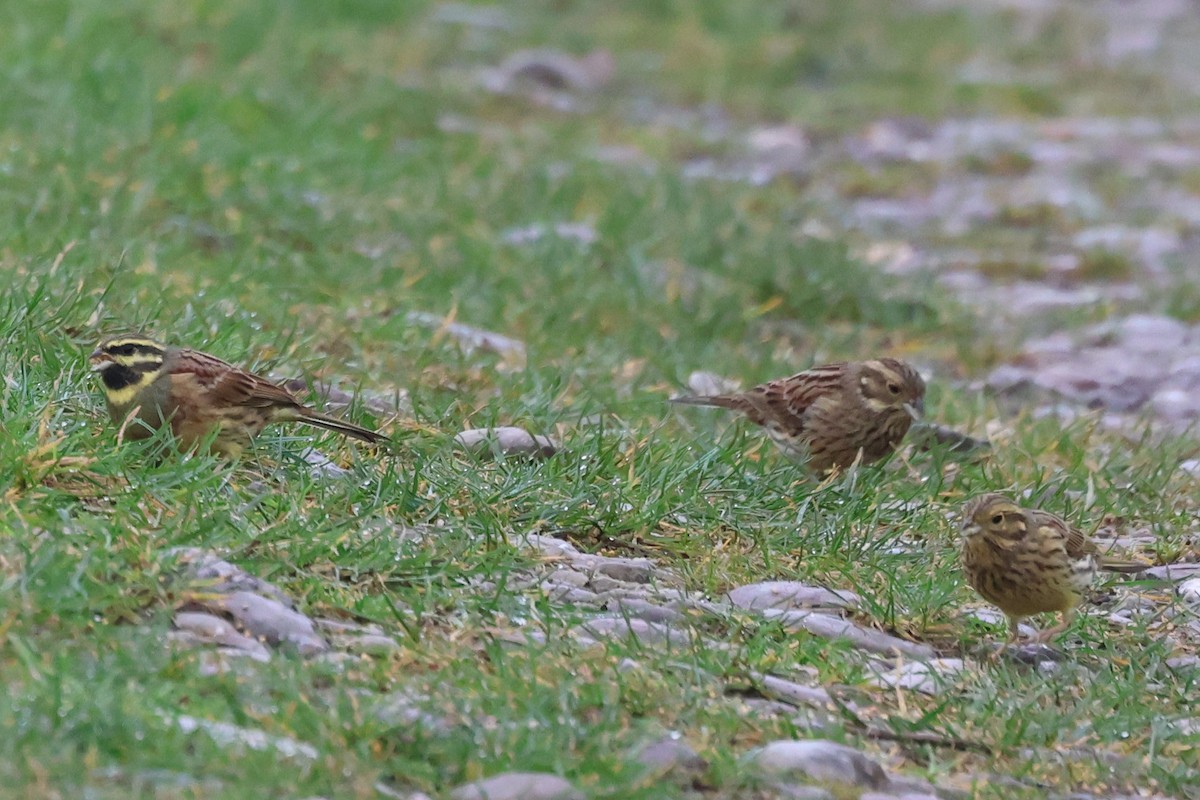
787 399
230 385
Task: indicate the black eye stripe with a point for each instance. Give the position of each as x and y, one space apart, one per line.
133 348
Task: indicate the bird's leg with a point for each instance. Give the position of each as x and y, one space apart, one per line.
1013 622
1050 633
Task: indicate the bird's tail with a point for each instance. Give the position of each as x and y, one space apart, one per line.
713 400
1118 565
341 426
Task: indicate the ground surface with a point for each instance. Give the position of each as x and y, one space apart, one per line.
353 194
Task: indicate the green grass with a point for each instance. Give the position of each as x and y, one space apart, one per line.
275 183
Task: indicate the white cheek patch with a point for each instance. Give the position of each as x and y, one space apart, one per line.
875 404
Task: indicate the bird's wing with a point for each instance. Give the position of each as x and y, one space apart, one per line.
1076 542
230 385
788 399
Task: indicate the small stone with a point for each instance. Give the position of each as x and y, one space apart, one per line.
1173 572
546 545
611 587
217 630
552 70
790 594
639 629
820 760
790 791
371 644
506 441
405 711
670 755
793 693
470 338
393 793
221 577
868 639
707 384
571 595
571 231
235 737
1189 591
518 786
927 677
567 577
320 465
778 150
269 620
641 609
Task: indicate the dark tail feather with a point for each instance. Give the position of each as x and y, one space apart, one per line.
344 428
714 400
1124 567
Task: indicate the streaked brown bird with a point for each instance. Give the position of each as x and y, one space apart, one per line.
1029 562
833 415
148 384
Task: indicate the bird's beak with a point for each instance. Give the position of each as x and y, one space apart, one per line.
970 529
915 410
99 360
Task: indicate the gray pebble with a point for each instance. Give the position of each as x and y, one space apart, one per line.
616 588
927 677
269 620
1173 572
518 786
626 570
639 629
670 755
320 465
405 711
790 595
506 441
470 338
1189 591
371 644
709 383
342 626
227 734
632 607
868 639
572 595
820 760
789 791
393 793
793 693
209 628
221 577
568 577
545 545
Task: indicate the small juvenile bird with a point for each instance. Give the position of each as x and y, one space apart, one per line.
833 415
195 393
1028 562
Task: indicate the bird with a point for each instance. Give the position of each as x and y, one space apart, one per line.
833 415
1027 562
148 385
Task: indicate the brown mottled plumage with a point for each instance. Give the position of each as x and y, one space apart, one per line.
1028 562
151 384
834 415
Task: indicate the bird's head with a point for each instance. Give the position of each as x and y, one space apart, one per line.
888 384
127 363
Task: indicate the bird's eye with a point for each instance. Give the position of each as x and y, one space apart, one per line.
997 519
126 350
894 388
